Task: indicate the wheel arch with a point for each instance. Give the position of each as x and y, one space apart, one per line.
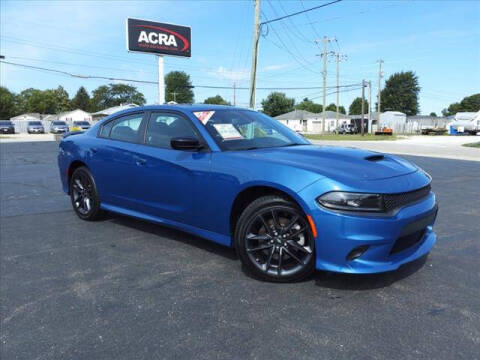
74 165
254 191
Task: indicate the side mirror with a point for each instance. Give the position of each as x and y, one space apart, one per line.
185 143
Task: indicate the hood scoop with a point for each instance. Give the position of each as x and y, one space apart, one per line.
374 158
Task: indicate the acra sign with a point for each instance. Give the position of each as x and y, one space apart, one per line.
154 38
158 38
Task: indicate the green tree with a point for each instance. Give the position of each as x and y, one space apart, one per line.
277 103
178 87
401 93
216 100
356 107
309 105
468 104
433 114
106 96
333 107
60 98
7 104
81 100
51 101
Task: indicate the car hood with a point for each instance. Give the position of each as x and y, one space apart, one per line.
336 162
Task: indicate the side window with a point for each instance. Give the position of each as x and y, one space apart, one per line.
105 129
163 127
125 128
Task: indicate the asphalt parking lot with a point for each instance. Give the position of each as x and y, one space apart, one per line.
125 289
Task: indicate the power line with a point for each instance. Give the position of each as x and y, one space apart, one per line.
300 12
39 68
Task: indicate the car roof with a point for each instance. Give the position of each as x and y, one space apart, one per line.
179 107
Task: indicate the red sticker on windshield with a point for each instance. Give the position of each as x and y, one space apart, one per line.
203 116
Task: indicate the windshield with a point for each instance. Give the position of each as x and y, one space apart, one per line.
59 123
34 123
81 123
245 130
5 123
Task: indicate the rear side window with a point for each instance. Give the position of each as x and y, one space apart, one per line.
163 127
125 128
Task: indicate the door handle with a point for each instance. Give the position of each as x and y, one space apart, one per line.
140 162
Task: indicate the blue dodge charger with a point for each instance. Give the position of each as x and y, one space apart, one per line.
242 179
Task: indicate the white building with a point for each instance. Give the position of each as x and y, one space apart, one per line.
395 120
27 117
99 115
308 122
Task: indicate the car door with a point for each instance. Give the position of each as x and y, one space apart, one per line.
172 180
115 161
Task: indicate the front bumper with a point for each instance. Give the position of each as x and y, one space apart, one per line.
391 241
36 130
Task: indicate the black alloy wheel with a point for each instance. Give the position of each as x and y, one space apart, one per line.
274 240
83 194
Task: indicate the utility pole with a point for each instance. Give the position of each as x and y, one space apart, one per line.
339 58
369 107
325 41
234 94
324 54
256 35
380 75
363 107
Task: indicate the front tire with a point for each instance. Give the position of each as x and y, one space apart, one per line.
83 194
274 241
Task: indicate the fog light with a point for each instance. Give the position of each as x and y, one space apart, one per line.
357 252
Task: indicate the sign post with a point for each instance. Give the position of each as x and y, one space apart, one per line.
161 81
160 39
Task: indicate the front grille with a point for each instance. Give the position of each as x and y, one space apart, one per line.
407 241
395 201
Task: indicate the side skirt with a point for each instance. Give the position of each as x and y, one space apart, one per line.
209 235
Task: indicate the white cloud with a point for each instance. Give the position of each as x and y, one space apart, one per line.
275 67
225 74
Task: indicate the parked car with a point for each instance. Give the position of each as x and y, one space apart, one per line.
80 125
7 127
58 127
345 129
35 127
242 179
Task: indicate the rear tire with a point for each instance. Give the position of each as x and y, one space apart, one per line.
274 241
83 195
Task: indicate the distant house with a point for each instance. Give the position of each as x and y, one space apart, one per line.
74 115
99 115
308 122
27 117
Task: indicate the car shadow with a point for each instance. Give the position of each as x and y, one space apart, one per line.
171 234
341 281
323 279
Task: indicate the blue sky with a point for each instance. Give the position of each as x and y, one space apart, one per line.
439 40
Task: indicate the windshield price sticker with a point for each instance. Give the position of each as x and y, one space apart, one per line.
203 116
228 131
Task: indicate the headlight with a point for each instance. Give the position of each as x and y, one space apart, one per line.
338 200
